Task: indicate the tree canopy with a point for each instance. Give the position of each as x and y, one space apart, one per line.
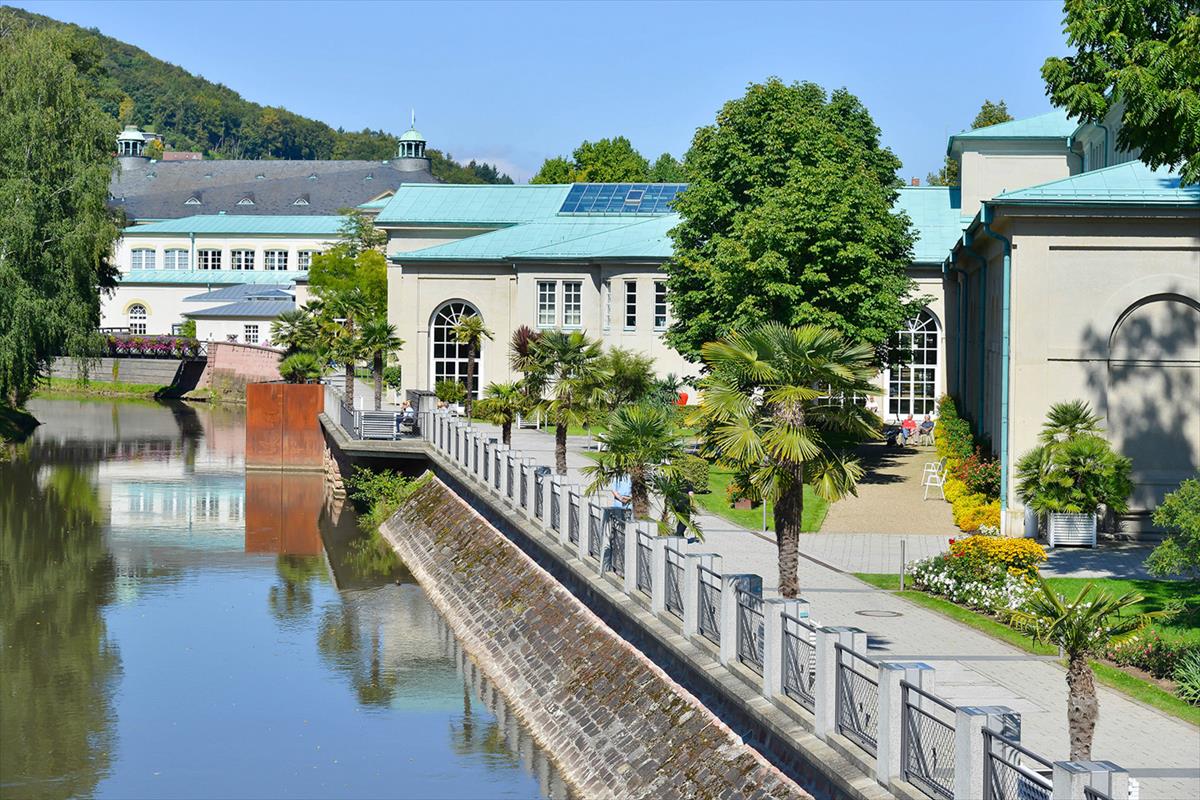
612 160
56 233
989 114
1145 56
788 218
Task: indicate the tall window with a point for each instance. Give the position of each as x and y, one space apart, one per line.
142 258
547 299
304 259
630 305
137 319
241 259
175 259
607 305
208 259
912 385
572 304
275 259
250 333
660 305
448 358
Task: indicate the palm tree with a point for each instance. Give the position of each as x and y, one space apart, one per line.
295 331
379 340
503 404
470 331
1067 420
339 315
766 412
632 376
1084 628
569 377
300 368
643 442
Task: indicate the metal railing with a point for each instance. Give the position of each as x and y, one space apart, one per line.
593 533
750 642
799 661
644 577
496 458
708 619
555 506
573 517
475 455
1011 772
524 486
927 741
348 419
508 484
857 699
487 461
457 443
1092 793
673 594
616 543
539 493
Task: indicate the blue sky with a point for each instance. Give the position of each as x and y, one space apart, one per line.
514 83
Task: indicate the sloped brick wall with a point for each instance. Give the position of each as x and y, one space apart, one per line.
615 723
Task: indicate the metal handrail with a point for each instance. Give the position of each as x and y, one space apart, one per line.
927 749
644 578
799 675
1039 787
673 596
708 619
856 714
750 623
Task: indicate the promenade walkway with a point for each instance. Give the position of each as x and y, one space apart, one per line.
1162 752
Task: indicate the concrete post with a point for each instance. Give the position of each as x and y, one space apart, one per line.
498 488
730 586
773 611
690 590
969 753
825 685
629 579
1070 778
888 750
658 569
558 493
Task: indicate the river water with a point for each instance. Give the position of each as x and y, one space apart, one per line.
172 626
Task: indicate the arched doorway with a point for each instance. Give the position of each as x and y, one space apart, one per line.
912 386
448 358
137 319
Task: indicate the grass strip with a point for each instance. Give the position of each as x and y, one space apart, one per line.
717 503
69 387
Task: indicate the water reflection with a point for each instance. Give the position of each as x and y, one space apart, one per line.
173 626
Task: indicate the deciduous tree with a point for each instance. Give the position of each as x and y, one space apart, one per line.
989 114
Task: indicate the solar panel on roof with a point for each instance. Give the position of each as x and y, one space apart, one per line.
621 198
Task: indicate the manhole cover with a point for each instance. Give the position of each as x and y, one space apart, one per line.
878 613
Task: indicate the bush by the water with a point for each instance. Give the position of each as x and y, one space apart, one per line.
377 495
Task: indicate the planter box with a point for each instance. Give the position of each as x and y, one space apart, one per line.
1077 529
743 504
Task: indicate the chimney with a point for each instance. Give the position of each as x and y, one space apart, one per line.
916 181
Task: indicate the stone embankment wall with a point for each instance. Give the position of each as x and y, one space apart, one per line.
616 724
231 366
153 371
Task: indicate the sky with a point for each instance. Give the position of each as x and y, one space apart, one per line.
515 83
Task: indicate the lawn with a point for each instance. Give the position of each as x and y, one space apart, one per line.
1157 594
69 387
715 502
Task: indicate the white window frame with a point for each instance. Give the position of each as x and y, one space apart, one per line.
250 333
304 259
137 314
241 259
208 258
451 364
630 310
273 259
175 258
661 308
547 304
607 305
572 304
142 258
921 336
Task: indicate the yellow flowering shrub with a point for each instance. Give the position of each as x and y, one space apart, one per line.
1018 556
971 511
954 489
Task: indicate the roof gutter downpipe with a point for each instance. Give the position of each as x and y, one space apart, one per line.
968 242
1006 283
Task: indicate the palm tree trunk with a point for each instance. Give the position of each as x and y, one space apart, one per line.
1082 707
377 369
506 433
641 497
350 383
789 511
470 379
560 448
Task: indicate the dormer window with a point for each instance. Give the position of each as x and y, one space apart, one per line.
312 177
301 201
259 177
192 201
246 201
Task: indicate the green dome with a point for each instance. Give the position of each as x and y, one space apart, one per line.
412 135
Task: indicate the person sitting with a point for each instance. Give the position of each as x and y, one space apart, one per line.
926 430
908 429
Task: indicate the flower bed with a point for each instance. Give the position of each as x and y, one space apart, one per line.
973 485
152 346
987 573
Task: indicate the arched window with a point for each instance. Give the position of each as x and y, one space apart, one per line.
912 385
137 319
448 358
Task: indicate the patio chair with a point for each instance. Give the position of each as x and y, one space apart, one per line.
935 479
932 467
925 436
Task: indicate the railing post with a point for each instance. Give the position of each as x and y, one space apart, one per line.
889 735
588 508
658 567
730 585
773 643
825 685
629 579
564 512
525 478
1070 778
970 755
691 588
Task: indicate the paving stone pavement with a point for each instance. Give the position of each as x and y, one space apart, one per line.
1163 752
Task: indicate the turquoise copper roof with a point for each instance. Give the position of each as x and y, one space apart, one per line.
235 224
375 205
472 204
560 237
208 277
1054 125
936 214
1131 183
246 308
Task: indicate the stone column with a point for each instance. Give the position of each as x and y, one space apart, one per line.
558 493
731 584
773 640
969 753
658 569
825 685
889 734
691 588
1070 778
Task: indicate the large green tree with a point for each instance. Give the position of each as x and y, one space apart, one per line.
989 114
604 161
56 233
667 169
788 218
1144 55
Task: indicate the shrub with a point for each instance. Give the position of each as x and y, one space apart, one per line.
1179 514
952 435
1150 652
450 392
955 489
392 377
693 471
1017 556
1187 677
981 475
971 580
379 494
972 511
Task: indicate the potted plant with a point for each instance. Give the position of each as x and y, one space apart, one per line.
738 499
1071 474
452 393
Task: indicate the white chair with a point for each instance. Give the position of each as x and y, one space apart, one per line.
932 468
935 479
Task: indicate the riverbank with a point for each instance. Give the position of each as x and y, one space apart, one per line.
67 388
16 424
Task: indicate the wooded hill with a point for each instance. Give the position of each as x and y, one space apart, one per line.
196 114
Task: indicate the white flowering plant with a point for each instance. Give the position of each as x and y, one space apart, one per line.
972 582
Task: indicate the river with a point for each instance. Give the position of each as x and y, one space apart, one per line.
172 626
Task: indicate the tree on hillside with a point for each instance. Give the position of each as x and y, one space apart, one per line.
788 218
667 169
56 233
1144 55
989 114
